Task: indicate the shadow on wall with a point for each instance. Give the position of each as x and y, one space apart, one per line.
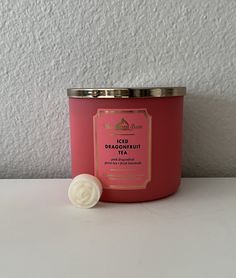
209 136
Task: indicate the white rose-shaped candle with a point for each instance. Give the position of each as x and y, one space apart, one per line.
85 191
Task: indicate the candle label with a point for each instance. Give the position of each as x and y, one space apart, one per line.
122 148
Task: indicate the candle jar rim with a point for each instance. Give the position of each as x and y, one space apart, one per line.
139 92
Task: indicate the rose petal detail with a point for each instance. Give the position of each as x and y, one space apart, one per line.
85 191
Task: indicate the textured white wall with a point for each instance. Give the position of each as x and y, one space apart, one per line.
48 46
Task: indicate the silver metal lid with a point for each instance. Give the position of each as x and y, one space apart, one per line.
126 92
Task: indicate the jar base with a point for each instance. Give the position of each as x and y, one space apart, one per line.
118 200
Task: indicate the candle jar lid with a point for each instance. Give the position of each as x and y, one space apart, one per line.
126 92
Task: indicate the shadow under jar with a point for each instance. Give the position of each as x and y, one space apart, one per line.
129 138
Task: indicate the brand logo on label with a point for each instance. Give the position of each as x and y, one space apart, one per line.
123 125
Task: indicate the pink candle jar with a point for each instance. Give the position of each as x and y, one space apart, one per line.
129 138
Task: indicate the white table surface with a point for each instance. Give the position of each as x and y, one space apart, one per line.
191 234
